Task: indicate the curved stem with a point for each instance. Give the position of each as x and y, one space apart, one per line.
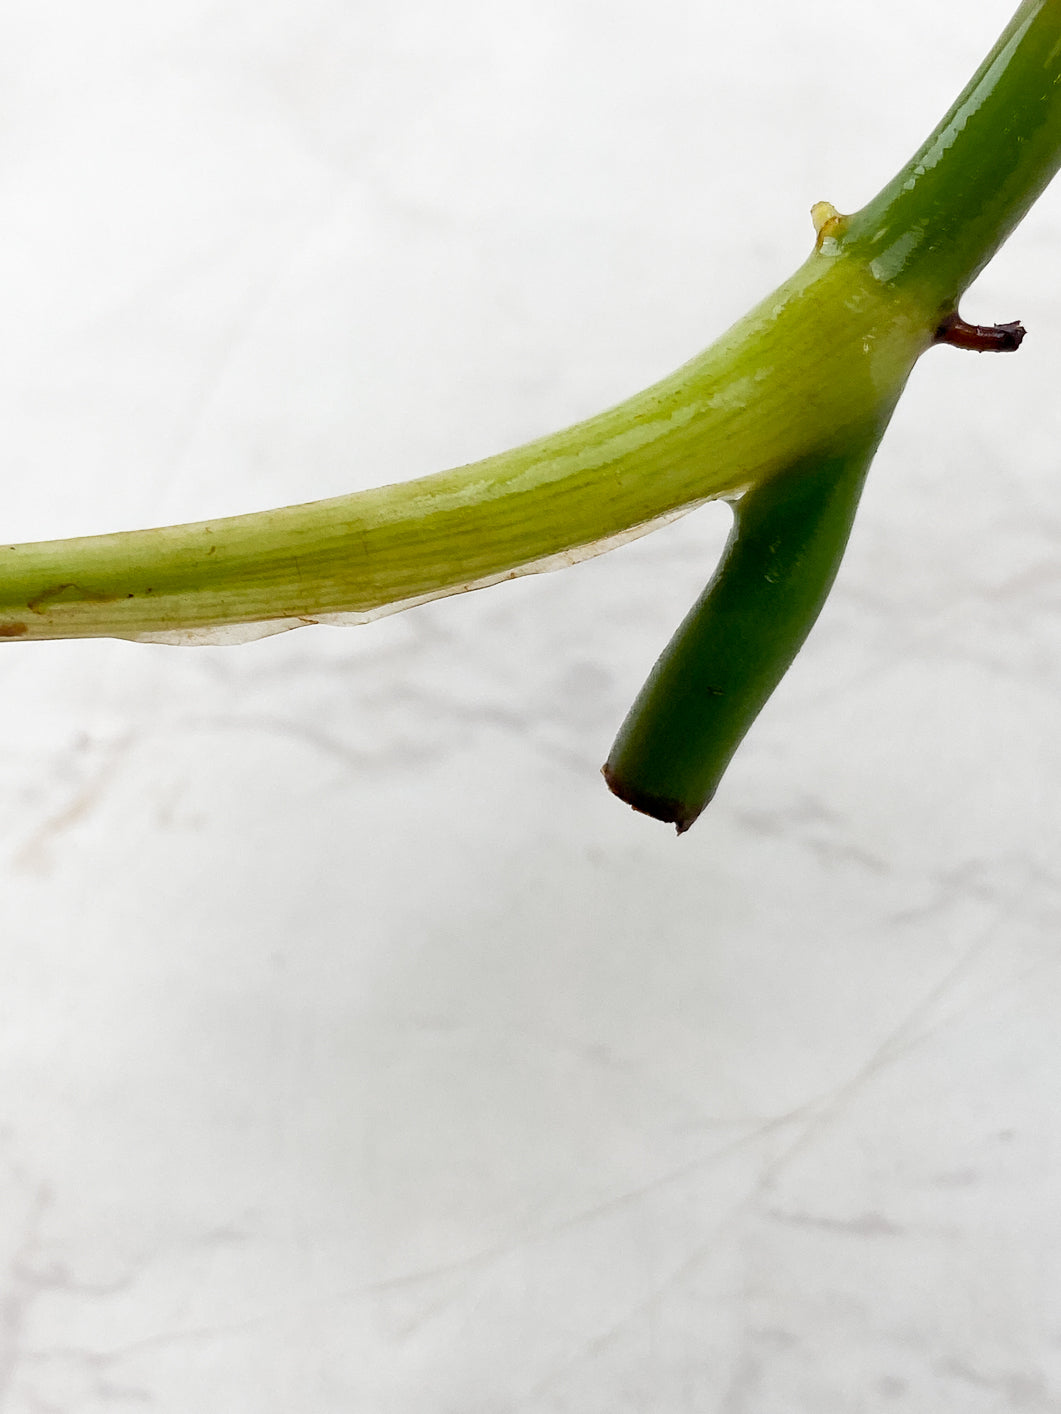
929 231
820 354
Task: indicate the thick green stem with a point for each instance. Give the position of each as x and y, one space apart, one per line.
739 639
939 221
819 355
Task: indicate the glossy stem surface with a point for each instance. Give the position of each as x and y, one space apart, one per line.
939 221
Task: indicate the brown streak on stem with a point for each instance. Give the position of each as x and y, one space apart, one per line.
670 811
981 338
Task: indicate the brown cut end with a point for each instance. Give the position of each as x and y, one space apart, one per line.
980 338
660 807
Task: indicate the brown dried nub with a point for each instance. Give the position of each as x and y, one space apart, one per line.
672 812
981 338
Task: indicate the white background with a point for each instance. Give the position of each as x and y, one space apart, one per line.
358 1051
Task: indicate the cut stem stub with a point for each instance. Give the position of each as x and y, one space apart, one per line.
980 338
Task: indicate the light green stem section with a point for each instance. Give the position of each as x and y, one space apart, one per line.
825 351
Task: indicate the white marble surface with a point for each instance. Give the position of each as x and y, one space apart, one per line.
358 1053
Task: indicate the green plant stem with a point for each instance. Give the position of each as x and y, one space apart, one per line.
938 222
830 350
818 355
740 637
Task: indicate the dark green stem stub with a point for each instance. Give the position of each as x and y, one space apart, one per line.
736 643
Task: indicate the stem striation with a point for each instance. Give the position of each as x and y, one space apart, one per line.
826 351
